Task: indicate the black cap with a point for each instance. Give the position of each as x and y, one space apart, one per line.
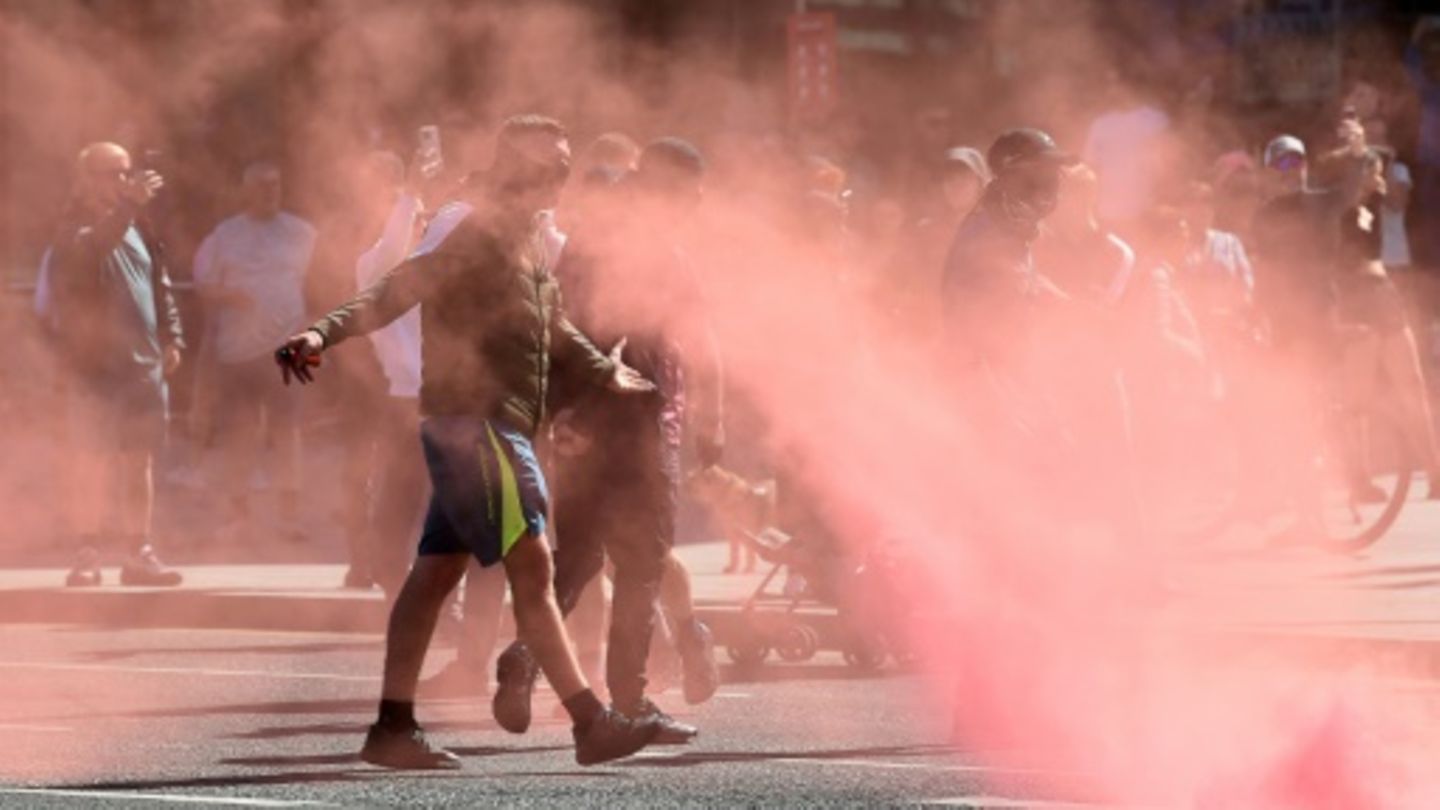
1024 146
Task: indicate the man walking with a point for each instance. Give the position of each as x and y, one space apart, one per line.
492 328
626 276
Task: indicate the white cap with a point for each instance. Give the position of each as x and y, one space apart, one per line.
1281 146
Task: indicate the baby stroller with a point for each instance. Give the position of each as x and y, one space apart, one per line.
813 594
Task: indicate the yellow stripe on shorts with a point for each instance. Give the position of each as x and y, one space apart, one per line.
512 515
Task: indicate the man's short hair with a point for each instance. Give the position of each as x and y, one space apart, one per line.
672 154
517 126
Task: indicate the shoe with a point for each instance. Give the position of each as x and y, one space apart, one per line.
86 573
358 579
515 673
697 658
144 568
457 680
611 735
669 731
406 749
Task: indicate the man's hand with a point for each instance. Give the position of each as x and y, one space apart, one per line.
171 361
141 187
299 355
1351 134
627 380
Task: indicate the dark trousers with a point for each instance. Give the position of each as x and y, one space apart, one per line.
628 512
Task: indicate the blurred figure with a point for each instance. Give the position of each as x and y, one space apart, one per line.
619 483
1394 234
1088 261
250 273
119 337
391 472
1422 61
1381 345
1293 239
1213 267
916 271
1126 146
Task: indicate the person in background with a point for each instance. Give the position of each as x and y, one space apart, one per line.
1127 145
1422 61
119 337
1394 236
916 275
1213 267
250 274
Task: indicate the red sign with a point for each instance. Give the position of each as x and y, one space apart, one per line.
813 63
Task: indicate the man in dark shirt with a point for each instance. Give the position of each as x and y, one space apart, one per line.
119 335
992 294
492 327
625 278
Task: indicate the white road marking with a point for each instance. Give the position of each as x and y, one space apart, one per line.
177 798
1002 803
801 759
732 695
225 673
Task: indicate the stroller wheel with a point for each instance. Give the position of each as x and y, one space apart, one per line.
865 655
748 651
797 642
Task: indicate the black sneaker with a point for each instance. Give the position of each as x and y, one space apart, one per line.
144 568
406 749
669 730
697 657
515 673
86 573
611 735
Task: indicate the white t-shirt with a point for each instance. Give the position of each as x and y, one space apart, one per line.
266 259
1394 239
1123 148
398 345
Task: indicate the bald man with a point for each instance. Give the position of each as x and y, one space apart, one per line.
119 335
250 273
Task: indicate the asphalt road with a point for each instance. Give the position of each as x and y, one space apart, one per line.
134 717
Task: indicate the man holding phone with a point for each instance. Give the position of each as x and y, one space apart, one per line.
119 334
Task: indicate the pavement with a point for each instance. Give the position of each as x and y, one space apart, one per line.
1385 599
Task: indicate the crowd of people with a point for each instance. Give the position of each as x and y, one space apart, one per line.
1056 287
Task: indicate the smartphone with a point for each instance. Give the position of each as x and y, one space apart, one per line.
428 152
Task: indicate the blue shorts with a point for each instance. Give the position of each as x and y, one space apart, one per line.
488 490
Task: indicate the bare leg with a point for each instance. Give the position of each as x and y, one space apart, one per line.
480 626
412 621
537 616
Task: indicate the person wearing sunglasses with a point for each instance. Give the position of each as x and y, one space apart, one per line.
493 334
